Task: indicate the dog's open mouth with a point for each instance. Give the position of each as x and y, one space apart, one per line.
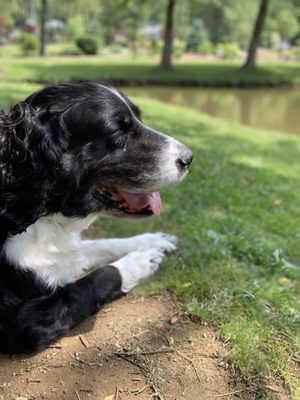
133 203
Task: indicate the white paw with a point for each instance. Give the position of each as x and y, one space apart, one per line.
137 266
163 241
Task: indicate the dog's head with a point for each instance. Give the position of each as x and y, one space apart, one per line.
109 161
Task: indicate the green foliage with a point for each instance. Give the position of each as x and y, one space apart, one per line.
206 48
178 48
87 44
75 26
156 47
196 35
228 50
28 43
286 23
296 52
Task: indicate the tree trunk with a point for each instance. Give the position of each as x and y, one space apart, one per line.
250 63
166 60
43 17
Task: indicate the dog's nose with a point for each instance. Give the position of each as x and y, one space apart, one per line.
184 161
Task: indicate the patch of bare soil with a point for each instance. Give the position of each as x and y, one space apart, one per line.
160 355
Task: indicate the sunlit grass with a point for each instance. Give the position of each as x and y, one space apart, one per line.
238 264
237 219
127 70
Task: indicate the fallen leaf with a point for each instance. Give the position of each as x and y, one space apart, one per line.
173 320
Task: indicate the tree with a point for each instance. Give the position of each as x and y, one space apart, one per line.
287 24
250 63
196 35
43 16
166 61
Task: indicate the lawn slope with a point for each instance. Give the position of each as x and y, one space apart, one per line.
237 219
140 71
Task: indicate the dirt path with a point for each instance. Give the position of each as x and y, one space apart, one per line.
188 365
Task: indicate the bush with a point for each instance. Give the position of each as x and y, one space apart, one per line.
115 48
178 48
206 48
228 50
28 43
87 44
156 47
75 26
197 34
295 52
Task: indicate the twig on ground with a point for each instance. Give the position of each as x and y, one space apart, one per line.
156 393
191 362
131 362
77 395
141 390
89 363
143 353
116 396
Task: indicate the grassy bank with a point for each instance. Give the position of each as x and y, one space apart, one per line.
237 218
138 71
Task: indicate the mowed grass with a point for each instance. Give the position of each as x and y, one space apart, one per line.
237 219
143 71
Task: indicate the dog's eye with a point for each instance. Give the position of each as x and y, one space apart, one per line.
126 121
120 138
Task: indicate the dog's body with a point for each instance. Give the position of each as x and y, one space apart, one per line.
68 153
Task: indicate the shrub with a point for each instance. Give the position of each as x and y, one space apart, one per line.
87 44
196 35
206 48
228 50
178 48
115 48
75 26
156 47
296 52
28 43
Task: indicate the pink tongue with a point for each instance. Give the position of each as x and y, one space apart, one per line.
140 201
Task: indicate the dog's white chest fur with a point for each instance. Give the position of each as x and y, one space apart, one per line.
51 247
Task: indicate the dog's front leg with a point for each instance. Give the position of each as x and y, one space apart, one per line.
106 251
40 321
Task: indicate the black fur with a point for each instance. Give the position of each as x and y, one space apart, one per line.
54 147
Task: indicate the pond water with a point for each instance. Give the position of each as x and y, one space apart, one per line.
266 108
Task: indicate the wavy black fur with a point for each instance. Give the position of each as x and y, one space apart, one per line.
54 147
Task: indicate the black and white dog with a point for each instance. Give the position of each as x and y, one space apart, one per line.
68 153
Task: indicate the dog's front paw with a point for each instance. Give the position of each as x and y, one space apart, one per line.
137 266
167 243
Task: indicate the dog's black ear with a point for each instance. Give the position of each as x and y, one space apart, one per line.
13 153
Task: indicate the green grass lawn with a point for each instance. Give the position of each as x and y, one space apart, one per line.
237 219
142 71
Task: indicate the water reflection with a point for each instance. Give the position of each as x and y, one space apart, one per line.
271 109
